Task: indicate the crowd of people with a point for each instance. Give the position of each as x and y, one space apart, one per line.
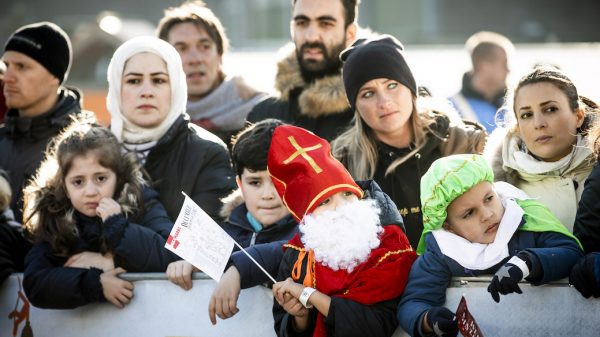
360 191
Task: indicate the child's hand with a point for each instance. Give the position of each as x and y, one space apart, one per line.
293 306
583 276
180 273
287 293
287 286
90 259
440 321
507 278
223 301
117 291
107 207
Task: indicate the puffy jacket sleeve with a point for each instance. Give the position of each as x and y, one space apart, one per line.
48 284
587 221
556 254
268 255
428 280
141 247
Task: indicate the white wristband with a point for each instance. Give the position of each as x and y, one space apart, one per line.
521 264
306 292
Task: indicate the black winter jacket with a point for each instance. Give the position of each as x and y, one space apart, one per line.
13 248
190 159
587 220
135 247
23 141
320 105
326 126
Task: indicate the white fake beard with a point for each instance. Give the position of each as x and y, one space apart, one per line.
344 238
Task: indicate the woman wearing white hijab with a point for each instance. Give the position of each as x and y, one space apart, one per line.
147 95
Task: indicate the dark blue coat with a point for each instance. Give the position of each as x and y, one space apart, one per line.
553 255
13 247
587 221
135 247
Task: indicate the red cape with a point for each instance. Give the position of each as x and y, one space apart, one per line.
382 277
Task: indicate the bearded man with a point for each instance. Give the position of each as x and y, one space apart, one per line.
344 272
308 80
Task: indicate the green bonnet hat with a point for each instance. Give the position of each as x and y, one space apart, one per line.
447 179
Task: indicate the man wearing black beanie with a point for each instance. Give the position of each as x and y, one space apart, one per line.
37 59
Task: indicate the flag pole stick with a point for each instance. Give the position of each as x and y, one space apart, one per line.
243 250
253 260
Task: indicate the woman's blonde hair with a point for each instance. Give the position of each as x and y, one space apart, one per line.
357 146
5 193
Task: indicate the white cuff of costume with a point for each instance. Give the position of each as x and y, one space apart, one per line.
521 264
306 292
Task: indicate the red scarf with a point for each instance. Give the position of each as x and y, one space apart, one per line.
381 277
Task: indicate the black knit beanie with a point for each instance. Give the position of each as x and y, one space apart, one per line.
367 60
46 43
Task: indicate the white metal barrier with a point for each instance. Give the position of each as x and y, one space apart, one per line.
161 309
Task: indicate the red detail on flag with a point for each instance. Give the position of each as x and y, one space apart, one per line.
466 322
171 241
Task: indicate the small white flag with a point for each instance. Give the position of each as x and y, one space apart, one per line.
198 239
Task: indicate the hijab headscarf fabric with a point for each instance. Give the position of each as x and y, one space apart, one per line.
124 129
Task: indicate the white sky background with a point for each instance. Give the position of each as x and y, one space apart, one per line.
440 68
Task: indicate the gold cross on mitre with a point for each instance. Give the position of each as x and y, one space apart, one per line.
300 151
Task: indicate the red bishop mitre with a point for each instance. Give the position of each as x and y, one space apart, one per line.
303 170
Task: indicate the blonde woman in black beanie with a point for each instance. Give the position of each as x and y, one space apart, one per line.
394 141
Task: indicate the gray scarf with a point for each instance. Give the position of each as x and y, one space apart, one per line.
224 106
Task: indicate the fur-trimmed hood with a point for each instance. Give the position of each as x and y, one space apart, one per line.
324 96
230 202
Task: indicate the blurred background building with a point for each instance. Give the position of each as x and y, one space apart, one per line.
562 32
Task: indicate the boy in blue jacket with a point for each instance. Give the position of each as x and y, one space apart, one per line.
474 227
254 215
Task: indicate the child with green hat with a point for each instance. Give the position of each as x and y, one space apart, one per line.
474 227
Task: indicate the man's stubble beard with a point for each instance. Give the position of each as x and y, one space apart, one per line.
330 65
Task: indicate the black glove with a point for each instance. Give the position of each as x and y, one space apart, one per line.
507 278
442 321
583 276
